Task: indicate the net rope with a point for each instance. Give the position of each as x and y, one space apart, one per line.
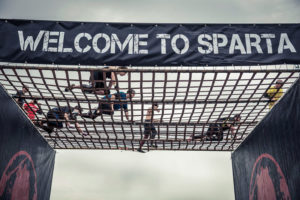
190 99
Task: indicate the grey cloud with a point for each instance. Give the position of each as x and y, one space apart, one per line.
193 11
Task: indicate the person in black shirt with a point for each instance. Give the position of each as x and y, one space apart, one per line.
97 81
215 131
61 113
18 96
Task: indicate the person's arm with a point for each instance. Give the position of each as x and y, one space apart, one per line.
113 97
156 120
232 130
17 95
127 115
125 109
112 80
271 92
67 119
79 129
26 108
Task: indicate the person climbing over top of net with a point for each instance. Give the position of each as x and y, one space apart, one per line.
108 108
62 113
97 81
215 131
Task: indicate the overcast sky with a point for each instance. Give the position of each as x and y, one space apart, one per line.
175 11
157 175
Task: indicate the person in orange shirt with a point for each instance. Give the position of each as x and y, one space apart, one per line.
31 109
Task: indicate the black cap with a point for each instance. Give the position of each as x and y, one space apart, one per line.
237 116
78 108
130 91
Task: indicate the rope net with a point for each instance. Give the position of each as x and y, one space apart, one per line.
192 101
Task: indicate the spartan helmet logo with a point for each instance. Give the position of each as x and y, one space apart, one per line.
267 180
18 181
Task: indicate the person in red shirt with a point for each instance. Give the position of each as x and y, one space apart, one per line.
31 109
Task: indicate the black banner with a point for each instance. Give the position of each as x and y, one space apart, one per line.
26 159
267 164
127 44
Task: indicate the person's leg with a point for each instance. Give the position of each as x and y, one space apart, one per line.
71 87
51 124
143 141
147 131
219 135
99 91
48 129
91 114
153 134
197 137
213 132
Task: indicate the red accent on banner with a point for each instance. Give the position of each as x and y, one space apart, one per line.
17 180
263 182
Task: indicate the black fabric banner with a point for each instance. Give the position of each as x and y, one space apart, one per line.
267 164
127 44
26 159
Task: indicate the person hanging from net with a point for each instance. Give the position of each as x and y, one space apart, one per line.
97 82
62 113
108 108
31 109
274 93
216 130
149 128
18 96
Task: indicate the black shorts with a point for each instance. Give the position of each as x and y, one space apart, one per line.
215 132
89 89
105 109
99 79
149 129
54 115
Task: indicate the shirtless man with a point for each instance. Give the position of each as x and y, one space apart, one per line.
149 127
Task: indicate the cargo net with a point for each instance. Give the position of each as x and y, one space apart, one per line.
197 105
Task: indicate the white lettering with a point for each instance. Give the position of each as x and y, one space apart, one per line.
255 43
137 43
77 40
174 45
209 46
268 38
46 41
285 43
236 44
61 44
163 38
95 43
29 41
217 44
128 41
53 41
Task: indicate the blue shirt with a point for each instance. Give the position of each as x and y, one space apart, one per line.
122 97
